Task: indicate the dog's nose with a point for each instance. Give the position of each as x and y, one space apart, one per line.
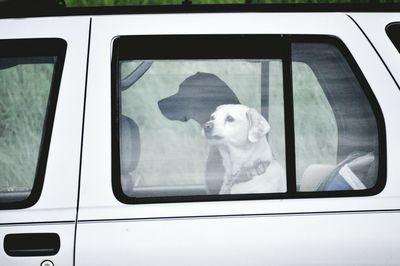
208 127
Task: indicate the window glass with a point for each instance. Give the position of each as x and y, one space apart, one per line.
393 31
272 117
336 133
201 127
30 75
24 91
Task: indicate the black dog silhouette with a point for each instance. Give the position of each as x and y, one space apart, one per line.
197 98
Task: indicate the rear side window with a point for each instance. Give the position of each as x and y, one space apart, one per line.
269 117
30 72
393 31
336 130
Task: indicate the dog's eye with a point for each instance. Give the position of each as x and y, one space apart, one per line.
229 119
212 117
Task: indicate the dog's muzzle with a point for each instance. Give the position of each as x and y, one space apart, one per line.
208 129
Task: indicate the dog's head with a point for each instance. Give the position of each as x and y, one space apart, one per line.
235 124
197 98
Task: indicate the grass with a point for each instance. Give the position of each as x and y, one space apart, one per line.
75 3
24 93
182 151
315 124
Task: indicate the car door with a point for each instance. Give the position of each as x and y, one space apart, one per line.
152 177
42 68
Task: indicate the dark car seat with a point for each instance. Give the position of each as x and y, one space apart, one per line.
129 137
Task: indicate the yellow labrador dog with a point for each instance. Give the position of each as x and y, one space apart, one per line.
239 134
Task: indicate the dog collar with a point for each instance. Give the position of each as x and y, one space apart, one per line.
247 173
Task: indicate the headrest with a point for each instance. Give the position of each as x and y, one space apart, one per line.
129 139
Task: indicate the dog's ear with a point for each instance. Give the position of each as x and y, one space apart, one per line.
259 126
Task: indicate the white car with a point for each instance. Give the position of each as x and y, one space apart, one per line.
108 153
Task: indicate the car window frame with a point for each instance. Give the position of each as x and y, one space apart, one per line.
286 56
38 47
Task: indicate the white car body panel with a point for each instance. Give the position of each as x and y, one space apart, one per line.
374 27
179 235
327 239
56 209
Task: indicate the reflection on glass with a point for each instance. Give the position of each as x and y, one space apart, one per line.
169 142
336 131
24 91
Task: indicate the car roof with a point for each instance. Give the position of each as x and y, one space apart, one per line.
44 8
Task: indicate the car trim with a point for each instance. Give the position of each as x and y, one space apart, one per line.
283 214
82 137
187 8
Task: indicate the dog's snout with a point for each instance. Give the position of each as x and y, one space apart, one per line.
208 126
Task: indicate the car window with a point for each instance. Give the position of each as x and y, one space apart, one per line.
187 112
336 131
27 77
184 125
393 31
282 119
